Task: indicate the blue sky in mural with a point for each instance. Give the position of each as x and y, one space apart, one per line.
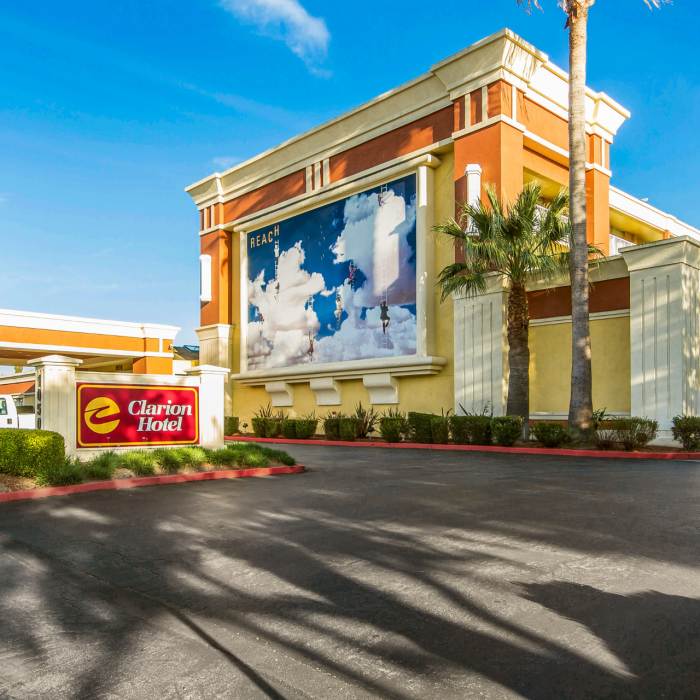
337 264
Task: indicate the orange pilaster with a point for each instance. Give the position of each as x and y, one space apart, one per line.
217 244
598 209
498 149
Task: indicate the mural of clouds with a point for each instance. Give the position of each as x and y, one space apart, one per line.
286 20
337 283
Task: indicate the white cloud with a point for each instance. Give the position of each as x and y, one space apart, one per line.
289 21
225 162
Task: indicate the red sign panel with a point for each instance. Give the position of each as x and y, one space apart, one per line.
124 415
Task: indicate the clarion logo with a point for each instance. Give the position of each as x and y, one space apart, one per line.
149 416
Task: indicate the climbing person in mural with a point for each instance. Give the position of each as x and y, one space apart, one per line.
384 316
323 281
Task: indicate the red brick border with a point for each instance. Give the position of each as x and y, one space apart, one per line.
601 454
118 484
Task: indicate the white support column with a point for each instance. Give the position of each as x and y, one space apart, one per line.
664 329
216 348
481 350
211 404
55 396
425 279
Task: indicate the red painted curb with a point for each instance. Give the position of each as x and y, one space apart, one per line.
594 454
118 484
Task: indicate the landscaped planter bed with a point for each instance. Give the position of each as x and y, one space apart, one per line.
135 482
652 452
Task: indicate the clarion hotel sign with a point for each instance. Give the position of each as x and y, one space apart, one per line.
123 415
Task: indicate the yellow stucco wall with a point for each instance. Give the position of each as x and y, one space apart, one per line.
428 393
550 365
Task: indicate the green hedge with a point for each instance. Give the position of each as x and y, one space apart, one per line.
506 430
420 428
306 427
392 428
231 425
440 430
331 426
686 429
550 434
471 430
30 452
348 429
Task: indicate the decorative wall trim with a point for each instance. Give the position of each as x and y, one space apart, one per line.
596 316
382 388
326 390
280 394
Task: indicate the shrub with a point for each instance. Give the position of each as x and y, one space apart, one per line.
101 467
348 428
391 429
633 433
686 429
550 434
289 428
440 430
231 425
193 457
506 429
273 427
70 471
471 429
331 426
306 426
604 439
248 455
141 462
169 460
259 426
366 420
420 427
31 452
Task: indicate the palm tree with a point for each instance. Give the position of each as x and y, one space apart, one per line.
517 242
581 401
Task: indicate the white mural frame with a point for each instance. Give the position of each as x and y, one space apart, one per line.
422 362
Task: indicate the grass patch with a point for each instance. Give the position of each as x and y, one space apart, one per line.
249 455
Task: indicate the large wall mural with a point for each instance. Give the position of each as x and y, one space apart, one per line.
336 283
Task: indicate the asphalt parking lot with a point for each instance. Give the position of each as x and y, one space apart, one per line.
379 573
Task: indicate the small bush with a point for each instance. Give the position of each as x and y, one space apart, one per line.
273 427
192 457
506 430
289 428
633 433
348 429
141 462
366 420
331 426
550 434
306 427
686 429
420 427
440 430
259 426
604 439
169 460
392 428
471 429
231 425
101 467
70 471
28 453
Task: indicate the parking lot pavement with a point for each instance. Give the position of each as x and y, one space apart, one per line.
379 573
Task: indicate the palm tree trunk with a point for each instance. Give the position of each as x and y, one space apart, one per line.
580 406
518 354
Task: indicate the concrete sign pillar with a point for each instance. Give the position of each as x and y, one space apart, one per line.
55 396
211 404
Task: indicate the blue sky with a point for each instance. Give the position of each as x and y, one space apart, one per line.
107 110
